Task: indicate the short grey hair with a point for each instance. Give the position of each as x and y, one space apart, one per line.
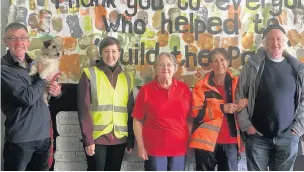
15 26
171 57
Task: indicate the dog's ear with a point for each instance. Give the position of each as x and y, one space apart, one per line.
47 43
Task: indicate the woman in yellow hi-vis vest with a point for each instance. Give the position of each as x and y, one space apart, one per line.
105 104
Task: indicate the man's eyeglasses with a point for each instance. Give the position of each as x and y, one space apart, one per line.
13 39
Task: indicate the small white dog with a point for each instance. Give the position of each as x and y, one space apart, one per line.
49 61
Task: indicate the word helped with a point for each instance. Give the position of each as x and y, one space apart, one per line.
200 26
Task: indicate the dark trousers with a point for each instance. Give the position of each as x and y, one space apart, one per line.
29 156
106 158
224 155
279 153
165 163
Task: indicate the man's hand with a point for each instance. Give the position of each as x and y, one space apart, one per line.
251 130
242 104
293 133
230 107
54 88
90 150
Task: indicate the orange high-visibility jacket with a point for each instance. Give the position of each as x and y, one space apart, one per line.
208 112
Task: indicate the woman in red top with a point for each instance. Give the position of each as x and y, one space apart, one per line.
160 118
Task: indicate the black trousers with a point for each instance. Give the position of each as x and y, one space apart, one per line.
106 158
27 156
224 155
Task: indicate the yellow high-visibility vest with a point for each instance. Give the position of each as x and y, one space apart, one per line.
108 105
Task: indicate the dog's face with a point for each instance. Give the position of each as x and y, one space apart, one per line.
53 48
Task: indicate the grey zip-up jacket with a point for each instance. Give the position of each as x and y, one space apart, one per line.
248 86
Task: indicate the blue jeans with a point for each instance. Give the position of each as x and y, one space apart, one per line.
279 153
165 163
29 156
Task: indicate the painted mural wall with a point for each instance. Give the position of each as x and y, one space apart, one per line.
190 29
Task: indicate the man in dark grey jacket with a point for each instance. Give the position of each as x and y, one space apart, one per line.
272 80
27 126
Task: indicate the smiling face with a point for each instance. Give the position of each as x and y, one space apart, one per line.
219 64
165 67
110 55
274 43
17 42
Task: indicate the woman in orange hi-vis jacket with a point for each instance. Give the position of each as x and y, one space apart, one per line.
216 137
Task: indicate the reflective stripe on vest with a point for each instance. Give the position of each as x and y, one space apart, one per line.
210 127
205 136
109 111
93 85
102 127
108 108
203 141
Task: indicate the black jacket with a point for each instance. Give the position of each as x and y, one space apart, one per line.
27 115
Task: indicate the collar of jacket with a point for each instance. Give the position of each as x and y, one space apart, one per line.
9 59
118 69
261 54
209 80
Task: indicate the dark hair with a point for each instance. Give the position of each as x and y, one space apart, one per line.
219 51
15 26
271 27
108 41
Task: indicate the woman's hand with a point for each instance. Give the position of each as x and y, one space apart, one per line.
230 108
142 153
90 150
